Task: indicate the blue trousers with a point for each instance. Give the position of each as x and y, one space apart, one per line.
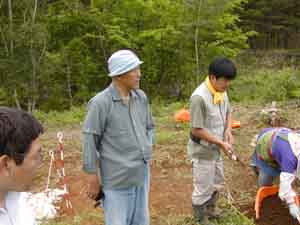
128 206
266 173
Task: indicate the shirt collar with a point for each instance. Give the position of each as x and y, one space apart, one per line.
115 93
18 209
218 97
11 198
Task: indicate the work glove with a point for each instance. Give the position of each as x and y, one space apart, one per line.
294 210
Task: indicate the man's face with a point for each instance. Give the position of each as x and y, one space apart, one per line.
22 175
221 84
131 80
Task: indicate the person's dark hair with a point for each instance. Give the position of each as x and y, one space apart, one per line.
18 129
222 67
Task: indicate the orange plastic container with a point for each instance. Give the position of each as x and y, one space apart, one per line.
235 124
263 193
183 115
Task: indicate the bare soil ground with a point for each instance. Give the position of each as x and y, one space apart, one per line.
171 177
273 212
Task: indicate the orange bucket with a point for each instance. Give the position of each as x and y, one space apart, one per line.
183 115
235 124
263 193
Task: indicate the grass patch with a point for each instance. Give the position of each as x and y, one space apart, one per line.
68 117
167 130
80 219
265 85
231 217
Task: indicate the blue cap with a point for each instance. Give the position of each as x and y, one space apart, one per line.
122 62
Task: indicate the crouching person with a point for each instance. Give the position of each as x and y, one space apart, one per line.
277 153
20 159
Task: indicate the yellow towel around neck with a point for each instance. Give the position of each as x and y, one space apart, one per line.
218 96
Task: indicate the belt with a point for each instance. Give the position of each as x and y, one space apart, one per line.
194 138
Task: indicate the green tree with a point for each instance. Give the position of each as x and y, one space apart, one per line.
23 44
277 23
53 54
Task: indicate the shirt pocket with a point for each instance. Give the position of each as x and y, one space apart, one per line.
122 140
215 120
119 130
117 124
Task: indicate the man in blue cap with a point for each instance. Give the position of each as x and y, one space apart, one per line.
118 134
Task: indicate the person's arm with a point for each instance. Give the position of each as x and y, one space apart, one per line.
228 137
287 194
91 165
92 133
90 158
204 135
150 126
198 114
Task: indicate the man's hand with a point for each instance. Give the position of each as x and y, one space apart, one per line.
228 137
294 211
93 186
99 197
227 148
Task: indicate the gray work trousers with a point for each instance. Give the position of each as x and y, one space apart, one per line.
208 177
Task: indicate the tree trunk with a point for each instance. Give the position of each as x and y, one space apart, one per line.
16 99
10 16
196 42
33 81
69 83
197 55
33 62
102 45
4 42
34 12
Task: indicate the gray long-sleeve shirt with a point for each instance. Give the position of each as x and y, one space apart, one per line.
120 136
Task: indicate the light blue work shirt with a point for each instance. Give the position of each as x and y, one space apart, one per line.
120 135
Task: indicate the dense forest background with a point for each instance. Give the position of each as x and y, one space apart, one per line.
53 53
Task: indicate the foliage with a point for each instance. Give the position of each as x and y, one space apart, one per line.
277 23
22 47
53 54
73 116
232 216
2 97
266 85
251 86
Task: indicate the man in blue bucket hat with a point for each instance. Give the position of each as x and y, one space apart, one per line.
118 134
277 153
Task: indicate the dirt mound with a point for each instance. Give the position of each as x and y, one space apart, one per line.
273 212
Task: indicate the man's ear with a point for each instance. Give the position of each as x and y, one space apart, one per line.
116 78
5 165
212 77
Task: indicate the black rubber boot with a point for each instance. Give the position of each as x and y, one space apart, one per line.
212 211
200 215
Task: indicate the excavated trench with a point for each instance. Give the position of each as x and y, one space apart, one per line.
272 212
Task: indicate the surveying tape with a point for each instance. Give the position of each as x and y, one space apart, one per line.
57 158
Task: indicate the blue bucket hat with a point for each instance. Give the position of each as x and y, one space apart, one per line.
121 62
